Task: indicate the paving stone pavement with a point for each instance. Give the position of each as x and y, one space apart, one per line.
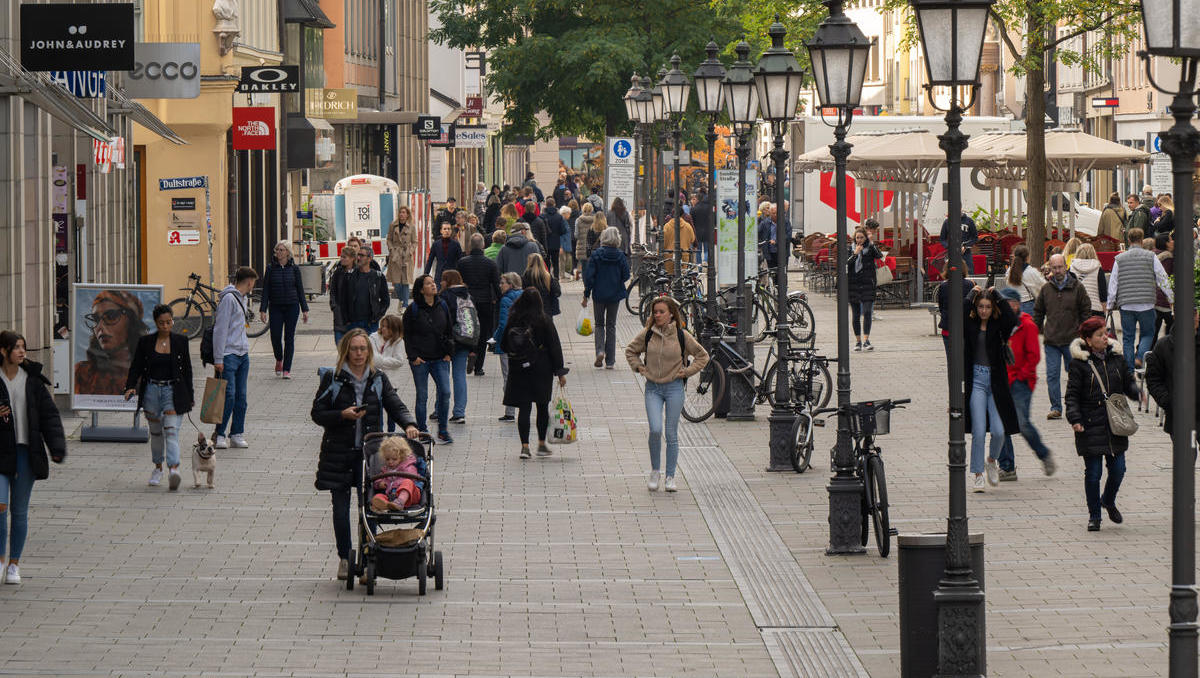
566 566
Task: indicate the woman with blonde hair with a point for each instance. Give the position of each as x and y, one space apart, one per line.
583 226
660 354
1070 248
1166 221
1086 267
401 255
1024 278
508 217
538 277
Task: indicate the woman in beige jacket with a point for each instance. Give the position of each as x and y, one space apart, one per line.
660 354
402 244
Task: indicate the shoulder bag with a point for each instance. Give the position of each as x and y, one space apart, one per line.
1116 405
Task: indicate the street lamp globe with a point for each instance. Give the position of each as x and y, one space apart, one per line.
676 87
630 98
708 78
738 89
1172 27
778 78
657 98
645 102
951 39
838 52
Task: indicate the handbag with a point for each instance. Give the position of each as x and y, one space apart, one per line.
883 275
1116 405
212 405
563 428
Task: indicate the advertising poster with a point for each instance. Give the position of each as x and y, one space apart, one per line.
109 320
727 230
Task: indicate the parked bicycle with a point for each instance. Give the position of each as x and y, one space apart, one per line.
867 420
762 304
810 386
196 312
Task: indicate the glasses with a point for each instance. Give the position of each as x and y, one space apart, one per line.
109 317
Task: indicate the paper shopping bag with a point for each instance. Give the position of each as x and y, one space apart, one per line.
212 407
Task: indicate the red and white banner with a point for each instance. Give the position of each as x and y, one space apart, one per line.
106 154
253 128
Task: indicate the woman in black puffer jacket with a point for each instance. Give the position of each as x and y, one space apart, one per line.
283 300
350 404
860 270
1095 354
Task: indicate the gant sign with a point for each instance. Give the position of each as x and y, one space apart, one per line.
67 37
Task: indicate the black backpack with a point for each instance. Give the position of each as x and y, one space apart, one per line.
522 347
206 339
678 336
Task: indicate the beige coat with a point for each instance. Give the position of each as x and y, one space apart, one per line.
687 238
402 247
1112 222
663 357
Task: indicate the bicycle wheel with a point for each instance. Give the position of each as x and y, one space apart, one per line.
801 325
255 327
762 321
633 296
702 392
802 444
644 308
879 509
693 316
189 317
825 384
866 502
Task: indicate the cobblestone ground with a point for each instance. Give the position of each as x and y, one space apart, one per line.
566 566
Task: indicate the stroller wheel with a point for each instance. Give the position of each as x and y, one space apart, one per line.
350 573
371 577
439 578
420 581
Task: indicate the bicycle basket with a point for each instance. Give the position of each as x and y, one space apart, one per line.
870 418
806 389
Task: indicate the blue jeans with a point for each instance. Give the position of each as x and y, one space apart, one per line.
164 428
403 294
1093 466
440 371
667 396
235 373
704 251
15 492
370 327
1022 396
984 417
458 372
283 333
1131 323
1057 360
1027 306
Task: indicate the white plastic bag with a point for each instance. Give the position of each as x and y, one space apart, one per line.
584 323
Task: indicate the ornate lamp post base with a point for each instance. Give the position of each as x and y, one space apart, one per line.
845 516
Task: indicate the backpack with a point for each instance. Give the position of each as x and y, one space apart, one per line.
335 386
521 345
206 339
678 336
466 323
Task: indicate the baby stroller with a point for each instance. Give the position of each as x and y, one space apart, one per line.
407 549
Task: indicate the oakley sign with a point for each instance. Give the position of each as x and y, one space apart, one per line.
269 79
165 70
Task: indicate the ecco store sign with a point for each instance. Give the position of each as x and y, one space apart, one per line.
165 70
68 36
269 79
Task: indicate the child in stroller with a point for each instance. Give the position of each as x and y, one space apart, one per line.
395 493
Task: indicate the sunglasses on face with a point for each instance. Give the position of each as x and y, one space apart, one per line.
109 317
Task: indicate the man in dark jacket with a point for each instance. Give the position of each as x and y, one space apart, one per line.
556 227
1160 378
482 278
969 232
363 295
445 215
1061 305
445 252
537 225
1139 212
514 255
702 223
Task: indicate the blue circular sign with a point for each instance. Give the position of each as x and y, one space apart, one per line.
622 149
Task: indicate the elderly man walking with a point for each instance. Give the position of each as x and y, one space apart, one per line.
1061 305
1135 275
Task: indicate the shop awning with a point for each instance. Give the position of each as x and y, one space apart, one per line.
120 103
368 116
51 97
444 106
305 12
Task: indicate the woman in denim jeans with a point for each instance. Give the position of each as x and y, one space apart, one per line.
661 355
161 378
987 324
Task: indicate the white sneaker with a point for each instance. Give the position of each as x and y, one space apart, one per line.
12 574
221 443
993 472
980 484
173 479
669 486
652 481
238 441
156 476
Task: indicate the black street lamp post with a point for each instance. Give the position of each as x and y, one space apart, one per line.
645 108
838 52
664 137
1170 32
952 41
741 103
676 87
633 112
708 78
778 78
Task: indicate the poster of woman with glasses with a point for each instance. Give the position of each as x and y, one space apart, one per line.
109 320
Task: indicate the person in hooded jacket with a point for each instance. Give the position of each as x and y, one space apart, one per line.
702 224
1022 378
988 322
430 349
1097 371
445 252
537 226
284 302
510 289
482 278
1088 271
490 214
604 282
535 358
454 291
555 228
619 217
350 403
231 349
29 426
583 224
537 276
514 256
860 270
1112 219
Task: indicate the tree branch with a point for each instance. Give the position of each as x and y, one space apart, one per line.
1012 49
1089 28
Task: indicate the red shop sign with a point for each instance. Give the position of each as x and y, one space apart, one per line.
253 128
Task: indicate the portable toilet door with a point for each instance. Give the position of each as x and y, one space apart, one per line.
364 205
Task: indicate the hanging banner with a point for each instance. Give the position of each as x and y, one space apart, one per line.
620 171
470 137
70 36
253 128
332 104
727 226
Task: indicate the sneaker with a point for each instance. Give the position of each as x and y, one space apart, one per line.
343 569
1054 414
287 375
980 484
220 443
599 360
1049 466
993 472
610 367
525 452
445 439
1007 476
669 485
507 417
867 346
458 419
173 479
858 346
156 476
12 574
238 441
278 368
543 450
652 481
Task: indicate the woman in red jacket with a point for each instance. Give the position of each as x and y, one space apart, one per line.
1022 377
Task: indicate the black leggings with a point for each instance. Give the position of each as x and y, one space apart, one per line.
543 420
865 309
